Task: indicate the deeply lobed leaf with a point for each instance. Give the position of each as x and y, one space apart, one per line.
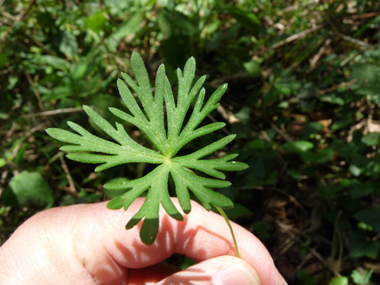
149 117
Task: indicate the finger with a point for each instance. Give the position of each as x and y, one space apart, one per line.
222 270
151 274
201 236
94 241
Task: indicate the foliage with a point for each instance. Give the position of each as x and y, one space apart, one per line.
302 97
151 120
357 278
28 189
361 278
343 280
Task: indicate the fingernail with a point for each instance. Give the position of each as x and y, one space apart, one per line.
236 274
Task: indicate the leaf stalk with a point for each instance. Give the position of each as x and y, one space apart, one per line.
220 210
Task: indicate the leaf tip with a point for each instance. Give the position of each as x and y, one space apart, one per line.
191 59
186 211
161 68
244 165
135 56
177 216
131 224
115 204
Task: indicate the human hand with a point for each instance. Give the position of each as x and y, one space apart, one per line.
88 244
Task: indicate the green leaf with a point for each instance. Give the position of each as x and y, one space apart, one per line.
322 156
79 70
3 162
371 139
360 246
83 198
253 68
68 45
365 71
244 115
361 279
147 112
96 21
132 25
370 216
28 189
3 59
237 211
55 62
116 193
305 278
343 280
262 229
298 147
247 19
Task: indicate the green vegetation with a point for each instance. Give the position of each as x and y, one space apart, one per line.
303 98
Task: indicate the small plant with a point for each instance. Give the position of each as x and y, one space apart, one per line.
167 135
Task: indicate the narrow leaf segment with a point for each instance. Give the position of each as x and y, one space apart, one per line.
148 112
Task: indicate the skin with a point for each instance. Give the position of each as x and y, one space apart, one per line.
88 244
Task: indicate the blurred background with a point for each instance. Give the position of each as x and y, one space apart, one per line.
303 98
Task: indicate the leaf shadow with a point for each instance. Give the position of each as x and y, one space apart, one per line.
192 276
167 243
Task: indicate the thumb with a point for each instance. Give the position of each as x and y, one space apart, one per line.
221 270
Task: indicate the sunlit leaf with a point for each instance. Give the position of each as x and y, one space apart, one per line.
298 147
149 117
96 21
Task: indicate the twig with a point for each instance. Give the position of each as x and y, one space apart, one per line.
333 88
54 158
227 115
304 261
281 133
355 41
18 19
40 44
290 197
2 181
5 21
77 2
17 147
36 93
118 60
316 254
315 59
214 120
364 16
55 112
37 128
71 189
7 15
296 37
337 236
